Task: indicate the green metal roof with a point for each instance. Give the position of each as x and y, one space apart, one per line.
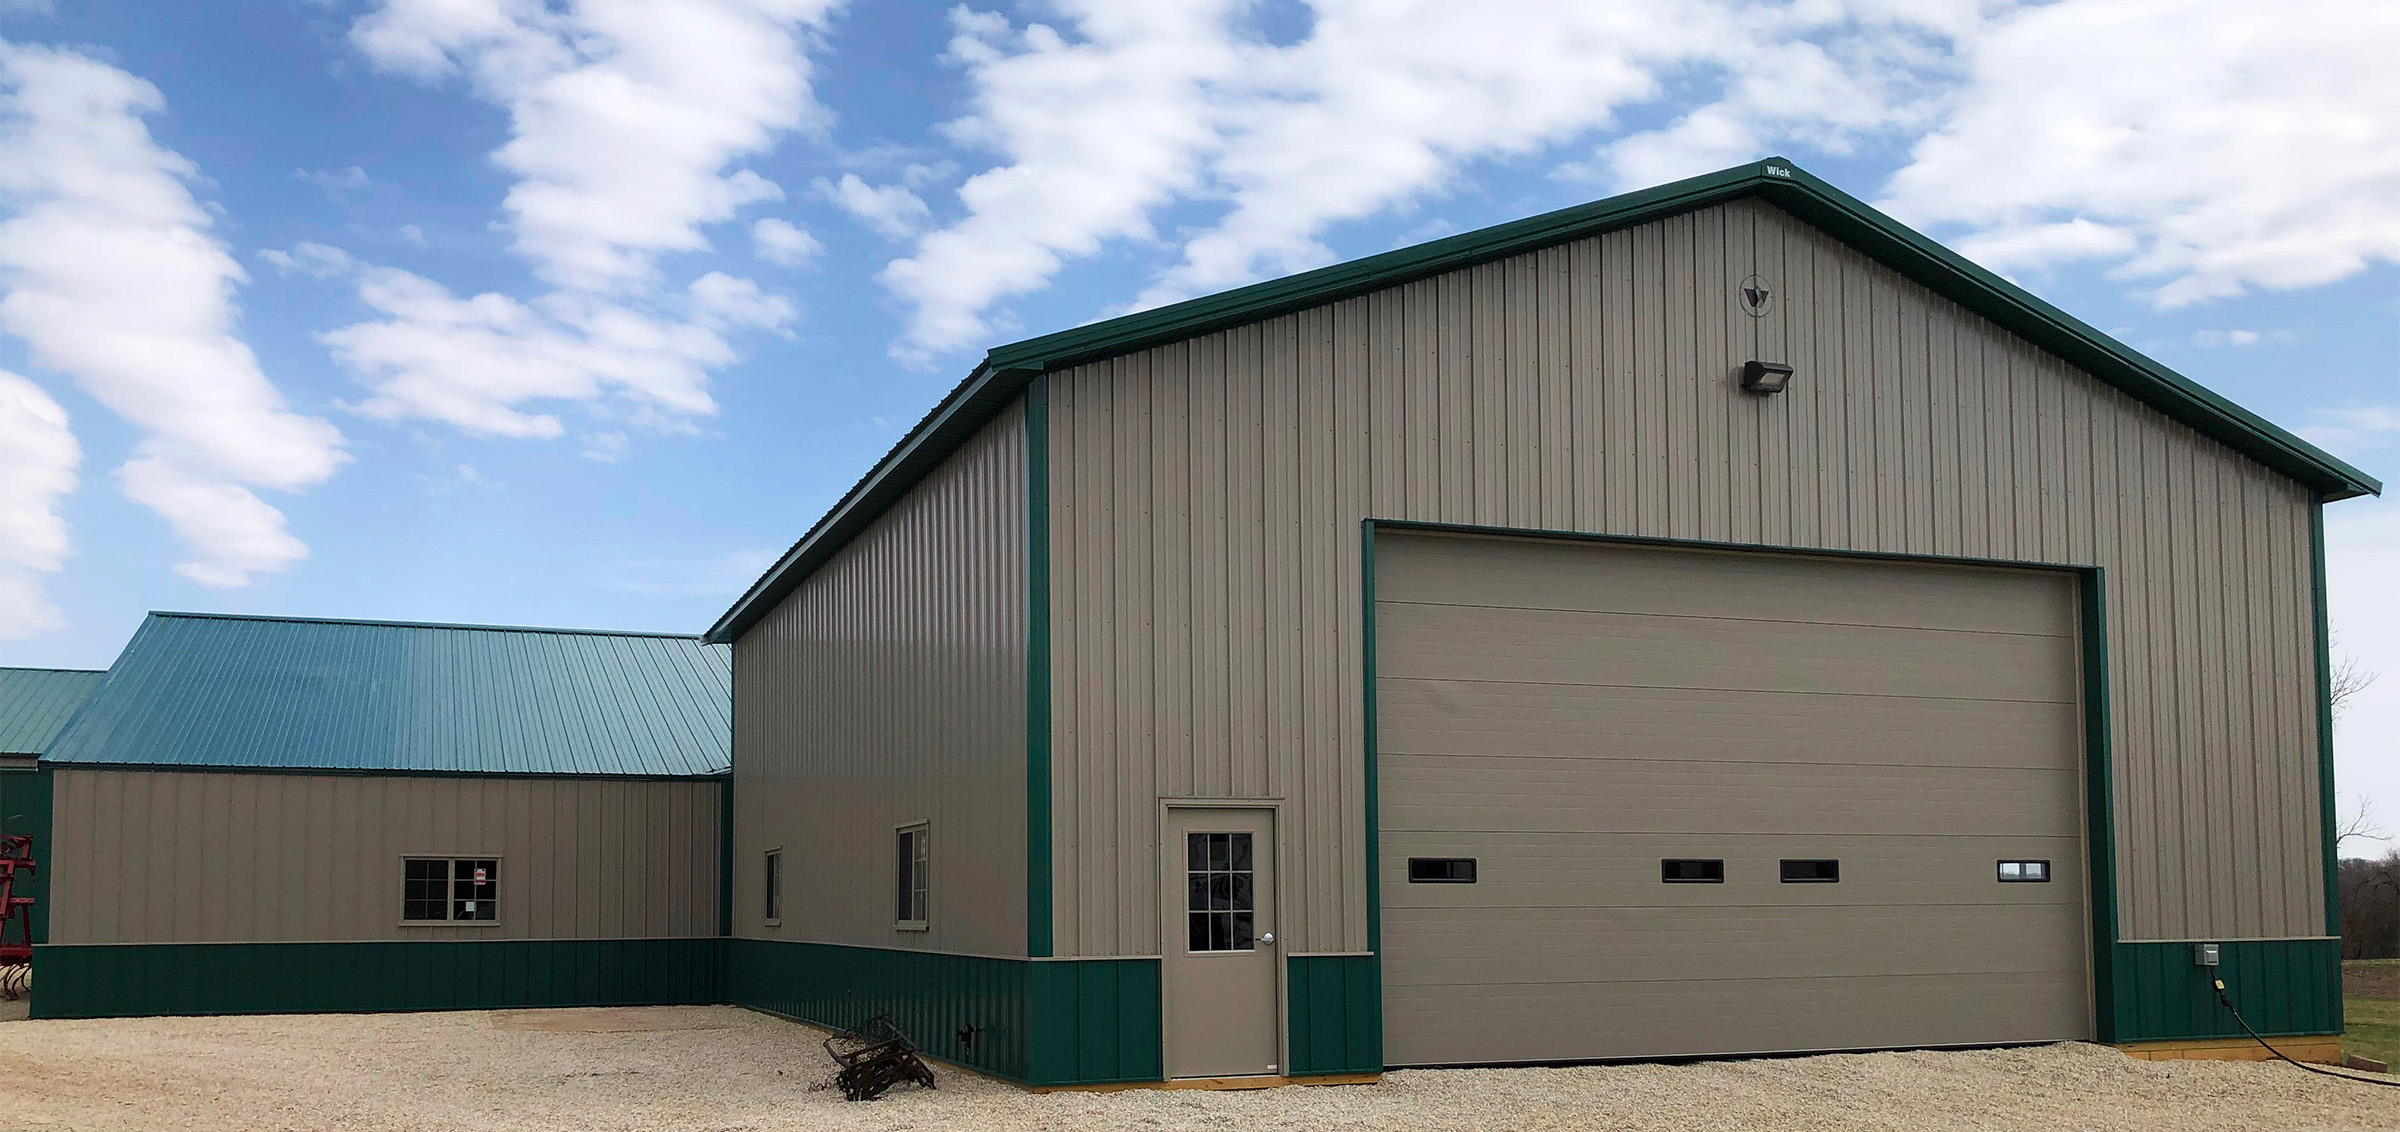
36 702
1007 370
222 691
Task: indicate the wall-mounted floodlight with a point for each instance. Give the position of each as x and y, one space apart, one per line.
1765 377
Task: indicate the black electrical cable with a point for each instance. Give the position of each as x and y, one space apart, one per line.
2237 1016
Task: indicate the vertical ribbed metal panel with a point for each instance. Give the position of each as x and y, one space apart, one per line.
229 857
890 688
36 702
1592 387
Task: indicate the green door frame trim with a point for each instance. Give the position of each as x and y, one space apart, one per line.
2135 995
1038 870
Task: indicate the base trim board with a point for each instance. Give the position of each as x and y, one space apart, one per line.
2323 1049
139 980
1218 1084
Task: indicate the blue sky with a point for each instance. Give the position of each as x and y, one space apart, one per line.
271 271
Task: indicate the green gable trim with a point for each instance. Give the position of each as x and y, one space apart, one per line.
1334 1014
135 980
1006 370
1046 1022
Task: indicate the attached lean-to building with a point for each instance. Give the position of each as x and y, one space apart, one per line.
266 814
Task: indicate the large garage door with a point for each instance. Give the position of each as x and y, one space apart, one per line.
1583 721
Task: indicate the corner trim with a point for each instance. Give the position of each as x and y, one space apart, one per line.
2328 822
1038 786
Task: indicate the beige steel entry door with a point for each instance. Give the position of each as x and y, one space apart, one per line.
1223 1014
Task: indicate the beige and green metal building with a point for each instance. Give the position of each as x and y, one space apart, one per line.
1467 655
267 814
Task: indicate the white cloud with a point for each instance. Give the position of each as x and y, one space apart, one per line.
2234 145
628 123
308 258
893 210
2211 339
606 447
335 182
478 362
38 459
1127 110
784 243
111 276
2358 428
626 114
2362 550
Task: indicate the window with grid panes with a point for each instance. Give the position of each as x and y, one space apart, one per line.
449 889
1220 904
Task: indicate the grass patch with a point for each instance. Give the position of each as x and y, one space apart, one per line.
2371 1009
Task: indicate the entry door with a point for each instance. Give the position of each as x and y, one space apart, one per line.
1222 1014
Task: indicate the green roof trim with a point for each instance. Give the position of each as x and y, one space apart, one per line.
1006 370
36 703
202 691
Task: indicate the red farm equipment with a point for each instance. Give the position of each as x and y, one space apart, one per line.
16 947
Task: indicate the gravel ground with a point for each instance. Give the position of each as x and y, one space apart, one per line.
720 1069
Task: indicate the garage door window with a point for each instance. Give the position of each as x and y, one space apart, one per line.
1684 870
2025 872
1220 904
1811 871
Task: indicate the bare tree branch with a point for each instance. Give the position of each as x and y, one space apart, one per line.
2349 679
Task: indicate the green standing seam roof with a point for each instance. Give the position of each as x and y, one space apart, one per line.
1006 370
35 704
225 691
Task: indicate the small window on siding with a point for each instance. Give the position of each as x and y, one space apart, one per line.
2025 872
1441 870
774 887
451 890
912 882
1811 871
1691 870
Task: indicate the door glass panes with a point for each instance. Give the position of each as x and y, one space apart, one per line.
1220 904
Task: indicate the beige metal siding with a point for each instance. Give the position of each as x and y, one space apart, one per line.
890 688
195 857
1571 713
1207 495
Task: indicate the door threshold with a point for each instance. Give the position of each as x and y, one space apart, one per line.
1219 1083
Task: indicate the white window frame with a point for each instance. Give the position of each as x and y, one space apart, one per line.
919 885
449 894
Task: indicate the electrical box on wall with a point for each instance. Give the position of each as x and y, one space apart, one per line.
2204 955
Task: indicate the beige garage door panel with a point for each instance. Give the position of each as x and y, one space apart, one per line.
1569 714
1580 870
1549 646
1724 1015
1560 946
1475 792
1473 717
1531 574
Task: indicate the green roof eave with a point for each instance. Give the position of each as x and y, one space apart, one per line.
1006 370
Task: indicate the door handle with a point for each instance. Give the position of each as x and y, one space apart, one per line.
1266 937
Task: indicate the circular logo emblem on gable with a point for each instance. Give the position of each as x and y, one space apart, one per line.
1755 296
